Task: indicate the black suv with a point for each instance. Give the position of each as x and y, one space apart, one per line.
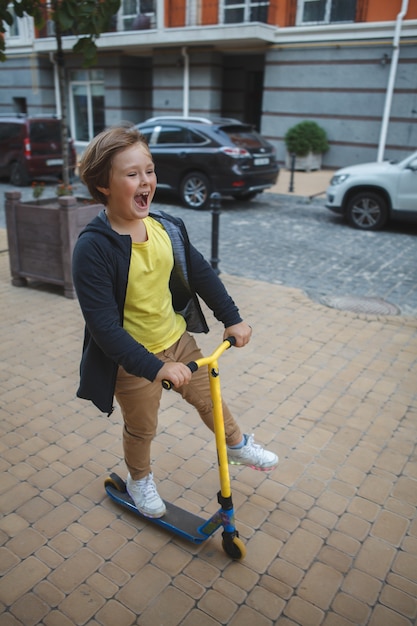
195 157
30 148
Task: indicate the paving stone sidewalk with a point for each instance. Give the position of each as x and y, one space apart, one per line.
331 534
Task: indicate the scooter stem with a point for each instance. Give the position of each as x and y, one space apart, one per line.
225 489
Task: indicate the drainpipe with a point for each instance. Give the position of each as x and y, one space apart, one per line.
56 86
186 83
391 81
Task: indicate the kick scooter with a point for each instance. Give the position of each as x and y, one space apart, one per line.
183 523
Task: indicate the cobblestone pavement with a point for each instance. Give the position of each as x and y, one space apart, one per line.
330 534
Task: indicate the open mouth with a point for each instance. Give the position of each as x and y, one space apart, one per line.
141 200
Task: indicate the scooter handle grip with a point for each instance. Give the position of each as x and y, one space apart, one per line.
192 365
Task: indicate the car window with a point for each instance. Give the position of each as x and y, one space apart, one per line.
172 134
245 138
41 132
8 130
146 132
195 138
168 135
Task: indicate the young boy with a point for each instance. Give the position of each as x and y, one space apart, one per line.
137 278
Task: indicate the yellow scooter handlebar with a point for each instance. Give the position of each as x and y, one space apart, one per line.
195 365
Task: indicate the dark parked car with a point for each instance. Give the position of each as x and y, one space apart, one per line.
195 157
30 148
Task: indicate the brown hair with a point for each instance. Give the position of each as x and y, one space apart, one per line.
96 162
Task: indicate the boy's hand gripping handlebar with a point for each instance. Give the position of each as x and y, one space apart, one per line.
194 365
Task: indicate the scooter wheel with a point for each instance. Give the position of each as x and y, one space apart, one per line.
234 547
116 482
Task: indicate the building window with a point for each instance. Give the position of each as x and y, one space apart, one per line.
21 30
325 11
20 105
130 12
13 30
86 104
235 12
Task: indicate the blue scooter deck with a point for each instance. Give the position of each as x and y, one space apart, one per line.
176 520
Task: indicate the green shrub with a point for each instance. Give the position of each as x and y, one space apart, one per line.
306 137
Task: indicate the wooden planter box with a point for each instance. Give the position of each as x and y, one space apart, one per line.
306 163
42 235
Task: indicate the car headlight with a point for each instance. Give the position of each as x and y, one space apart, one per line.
337 179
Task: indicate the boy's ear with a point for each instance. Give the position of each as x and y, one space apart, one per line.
103 190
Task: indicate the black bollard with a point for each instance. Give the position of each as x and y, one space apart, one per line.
293 157
215 203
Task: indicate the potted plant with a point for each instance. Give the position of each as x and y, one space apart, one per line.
307 141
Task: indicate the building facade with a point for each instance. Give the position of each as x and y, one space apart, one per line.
349 65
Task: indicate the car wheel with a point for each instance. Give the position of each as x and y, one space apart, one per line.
18 175
367 210
195 190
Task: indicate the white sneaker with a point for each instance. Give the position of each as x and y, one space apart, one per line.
252 455
145 496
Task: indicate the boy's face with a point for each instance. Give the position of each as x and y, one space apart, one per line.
132 183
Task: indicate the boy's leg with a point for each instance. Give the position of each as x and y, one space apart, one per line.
139 401
197 392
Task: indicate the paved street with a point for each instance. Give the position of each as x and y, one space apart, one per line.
293 242
289 240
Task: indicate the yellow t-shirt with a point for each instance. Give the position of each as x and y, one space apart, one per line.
148 313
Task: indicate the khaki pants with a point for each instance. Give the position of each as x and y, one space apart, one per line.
139 400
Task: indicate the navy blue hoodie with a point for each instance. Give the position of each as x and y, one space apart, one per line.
100 265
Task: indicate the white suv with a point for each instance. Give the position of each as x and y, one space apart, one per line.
371 194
